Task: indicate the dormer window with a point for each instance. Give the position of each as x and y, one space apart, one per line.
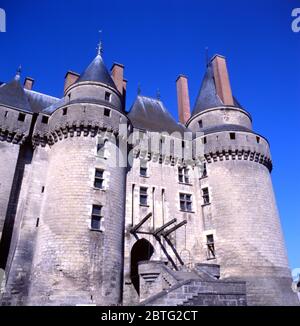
107 96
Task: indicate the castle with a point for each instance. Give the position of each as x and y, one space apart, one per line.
190 220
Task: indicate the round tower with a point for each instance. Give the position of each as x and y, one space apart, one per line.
244 234
79 249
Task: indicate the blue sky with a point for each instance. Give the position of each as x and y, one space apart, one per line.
156 41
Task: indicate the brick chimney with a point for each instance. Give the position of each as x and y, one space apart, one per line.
117 74
222 79
184 109
70 78
28 83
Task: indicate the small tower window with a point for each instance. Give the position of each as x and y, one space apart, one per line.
143 196
99 179
258 140
143 169
204 170
107 112
232 136
96 217
205 196
210 242
21 117
65 111
204 140
185 202
107 96
200 124
45 119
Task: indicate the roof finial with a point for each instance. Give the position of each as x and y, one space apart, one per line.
99 47
18 73
158 94
139 89
206 56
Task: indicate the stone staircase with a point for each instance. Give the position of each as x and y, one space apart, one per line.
198 287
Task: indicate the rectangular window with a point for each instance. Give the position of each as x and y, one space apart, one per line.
200 124
211 254
185 202
258 140
107 112
204 140
183 175
99 179
45 119
232 136
21 117
143 171
65 111
5 114
107 96
143 196
96 217
204 171
205 196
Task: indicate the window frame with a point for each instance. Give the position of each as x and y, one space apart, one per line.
96 217
99 179
183 175
109 96
206 196
186 202
107 112
143 196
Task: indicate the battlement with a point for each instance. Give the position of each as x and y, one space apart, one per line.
76 120
14 125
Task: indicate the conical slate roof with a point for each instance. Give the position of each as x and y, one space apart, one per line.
97 72
150 114
208 97
12 94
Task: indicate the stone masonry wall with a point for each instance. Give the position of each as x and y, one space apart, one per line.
74 264
9 155
248 236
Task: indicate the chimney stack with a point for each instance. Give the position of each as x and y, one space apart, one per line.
117 74
28 83
70 78
222 79
184 110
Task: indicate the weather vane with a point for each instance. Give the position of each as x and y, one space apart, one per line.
99 47
139 89
158 94
18 73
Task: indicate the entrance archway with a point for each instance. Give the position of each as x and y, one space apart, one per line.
141 250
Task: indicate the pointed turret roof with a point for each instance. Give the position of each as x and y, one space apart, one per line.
150 114
97 72
208 97
12 94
